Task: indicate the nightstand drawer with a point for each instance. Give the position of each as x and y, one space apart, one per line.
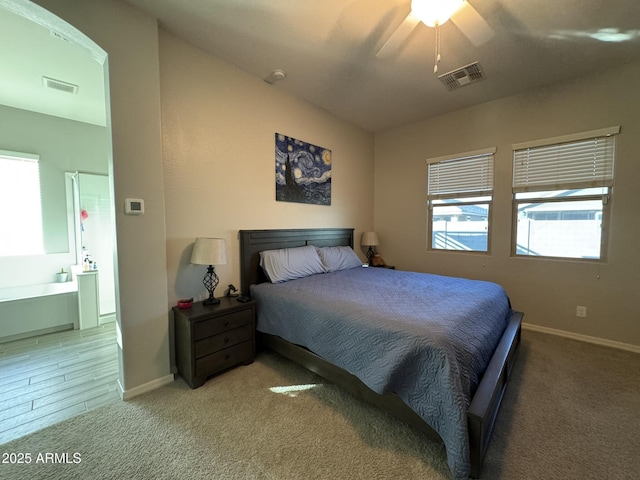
213 338
216 325
224 358
223 340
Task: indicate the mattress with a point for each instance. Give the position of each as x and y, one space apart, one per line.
427 338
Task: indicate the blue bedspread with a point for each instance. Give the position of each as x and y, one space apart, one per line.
428 338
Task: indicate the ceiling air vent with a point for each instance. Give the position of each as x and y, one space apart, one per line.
59 85
462 76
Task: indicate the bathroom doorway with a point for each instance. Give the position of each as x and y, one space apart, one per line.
54 100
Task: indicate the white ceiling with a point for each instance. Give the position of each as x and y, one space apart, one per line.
29 51
328 49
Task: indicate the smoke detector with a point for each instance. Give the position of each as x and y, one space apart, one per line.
462 77
60 85
275 76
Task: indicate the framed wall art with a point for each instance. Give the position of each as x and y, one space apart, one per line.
303 172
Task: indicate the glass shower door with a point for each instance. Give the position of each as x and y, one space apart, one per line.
96 234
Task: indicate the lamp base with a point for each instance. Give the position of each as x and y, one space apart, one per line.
370 254
210 282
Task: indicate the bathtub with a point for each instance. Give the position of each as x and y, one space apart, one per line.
32 310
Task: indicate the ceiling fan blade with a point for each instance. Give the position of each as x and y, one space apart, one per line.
398 37
471 23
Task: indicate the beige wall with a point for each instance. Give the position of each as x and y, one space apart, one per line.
547 291
219 126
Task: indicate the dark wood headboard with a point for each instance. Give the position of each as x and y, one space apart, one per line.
252 242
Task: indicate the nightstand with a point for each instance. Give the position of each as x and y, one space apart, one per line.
213 338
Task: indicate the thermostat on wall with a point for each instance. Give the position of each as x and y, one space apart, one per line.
133 206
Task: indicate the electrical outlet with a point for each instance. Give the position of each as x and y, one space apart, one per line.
581 311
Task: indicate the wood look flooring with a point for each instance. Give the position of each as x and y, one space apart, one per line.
47 379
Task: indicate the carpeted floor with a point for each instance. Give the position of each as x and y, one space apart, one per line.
570 413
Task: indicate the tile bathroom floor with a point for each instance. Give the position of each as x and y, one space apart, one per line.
47 379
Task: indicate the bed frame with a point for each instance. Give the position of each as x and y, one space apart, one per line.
484 405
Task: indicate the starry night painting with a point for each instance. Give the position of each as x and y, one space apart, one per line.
303 172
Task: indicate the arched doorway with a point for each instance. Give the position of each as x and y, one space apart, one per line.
51 97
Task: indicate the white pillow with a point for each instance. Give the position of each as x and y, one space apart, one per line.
290 263
338 258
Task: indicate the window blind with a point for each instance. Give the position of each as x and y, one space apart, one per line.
464 176
21 216
579 163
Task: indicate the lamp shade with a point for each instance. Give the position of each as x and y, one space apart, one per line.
209 251
369 239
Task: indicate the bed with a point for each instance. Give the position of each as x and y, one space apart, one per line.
462 408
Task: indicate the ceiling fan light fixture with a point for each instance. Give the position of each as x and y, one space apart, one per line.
434 12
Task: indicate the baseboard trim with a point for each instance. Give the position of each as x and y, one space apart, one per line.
583 338
108 318
37 333
147 387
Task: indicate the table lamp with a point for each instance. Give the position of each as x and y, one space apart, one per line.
369 239
210 251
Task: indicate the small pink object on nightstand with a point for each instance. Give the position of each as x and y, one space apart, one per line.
185 303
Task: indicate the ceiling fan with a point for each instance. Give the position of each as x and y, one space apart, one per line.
434 13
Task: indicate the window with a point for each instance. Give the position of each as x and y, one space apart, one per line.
561 188
459 196
21 212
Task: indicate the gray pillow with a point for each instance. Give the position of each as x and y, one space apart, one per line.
290 263
338 258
